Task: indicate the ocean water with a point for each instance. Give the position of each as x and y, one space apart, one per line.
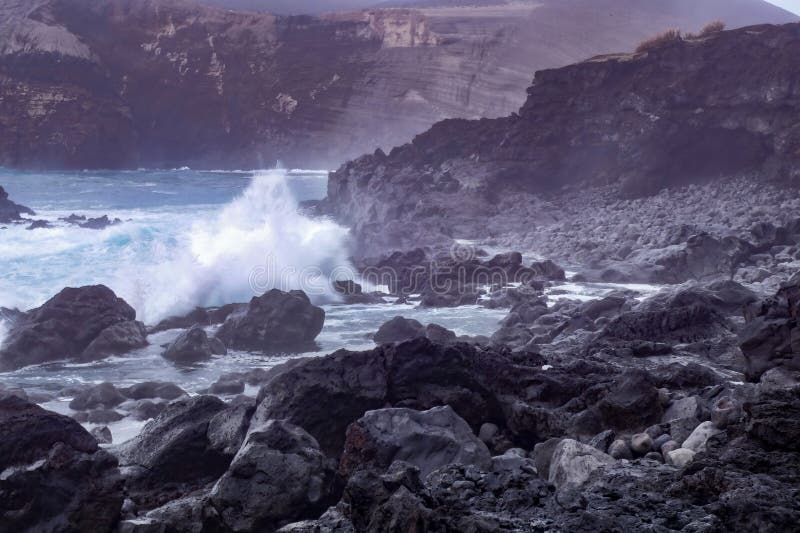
191 238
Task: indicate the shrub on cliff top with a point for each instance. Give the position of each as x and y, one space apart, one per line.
659 40
712 27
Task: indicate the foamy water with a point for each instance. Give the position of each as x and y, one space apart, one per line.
192 238
175 248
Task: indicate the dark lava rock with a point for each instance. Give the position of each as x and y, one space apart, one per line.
771 337
99 223
198 316
425 439
192 346
39 224
153 389
54 476
115 340
173 454
63 327
353 293
105 395
9 211
548 270
279 475
276 321
481 384
399 329
102 434
633 402
230 384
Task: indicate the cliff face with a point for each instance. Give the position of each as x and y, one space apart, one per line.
687 111
168 83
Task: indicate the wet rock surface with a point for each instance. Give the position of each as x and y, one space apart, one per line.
11 212
273 322
54 477
79 324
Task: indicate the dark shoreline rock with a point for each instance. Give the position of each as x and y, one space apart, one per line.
79 324
275 321
11 212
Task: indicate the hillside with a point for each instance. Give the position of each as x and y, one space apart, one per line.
688 111
170 83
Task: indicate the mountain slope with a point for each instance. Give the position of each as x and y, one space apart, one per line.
687 111
168 83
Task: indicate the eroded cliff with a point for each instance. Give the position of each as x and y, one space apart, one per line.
684 112
169 83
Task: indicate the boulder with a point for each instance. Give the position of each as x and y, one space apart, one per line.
278 476
425 439
548 270
543 456
277 321
54 477
153 389
399 329
9 211
102 434
324 395
192 346
573 463
680 457
699 437
63 327
633 402
641 443
105 395
115 340
173 453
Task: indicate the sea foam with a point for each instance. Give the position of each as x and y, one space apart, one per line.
256 242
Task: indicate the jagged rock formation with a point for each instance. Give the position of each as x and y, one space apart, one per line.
168 83
689 111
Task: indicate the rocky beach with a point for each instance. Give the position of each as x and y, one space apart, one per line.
580 317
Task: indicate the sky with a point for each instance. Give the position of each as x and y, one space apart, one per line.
791 5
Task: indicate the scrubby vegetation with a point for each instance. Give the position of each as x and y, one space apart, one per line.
659 40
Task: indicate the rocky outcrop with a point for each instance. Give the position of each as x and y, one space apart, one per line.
427 440
772 336
54 476
575 129
275 321
174 453
9 211
79 324
192 346
278 475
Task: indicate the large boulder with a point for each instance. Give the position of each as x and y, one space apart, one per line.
276 321
771 337
64 327
54 477
324 395
173 453
279 475
425 439
9 211
115 340
399 329
192 346
633 402
101 396
572 463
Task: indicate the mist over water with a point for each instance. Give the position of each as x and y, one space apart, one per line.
176 247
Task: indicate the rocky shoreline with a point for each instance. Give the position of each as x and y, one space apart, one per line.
666 411
627 411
